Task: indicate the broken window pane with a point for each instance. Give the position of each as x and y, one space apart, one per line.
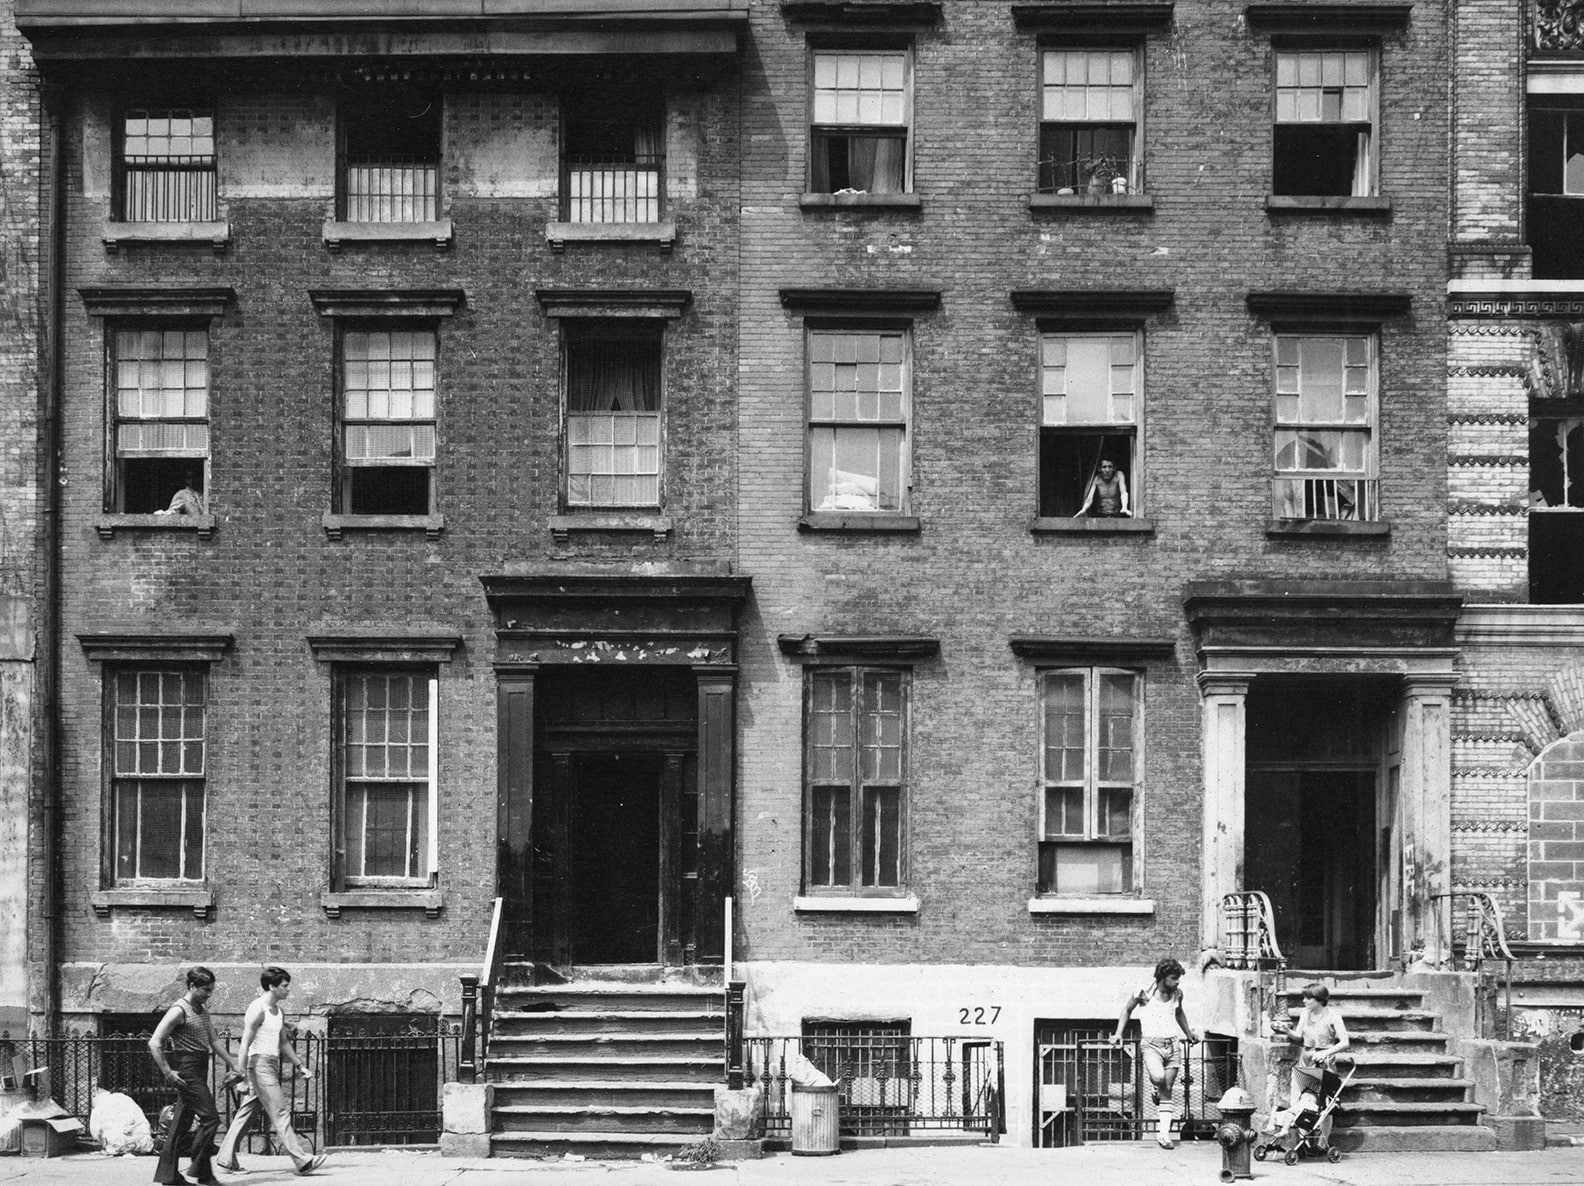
1324 123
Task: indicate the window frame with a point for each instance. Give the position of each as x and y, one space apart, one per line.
1134 47
1132 428
1282 46
116 781
115 478
611 328
1092 675
861 46
341 878
816 326
206 206
632 97
343 466
348 111
854 887
1369 478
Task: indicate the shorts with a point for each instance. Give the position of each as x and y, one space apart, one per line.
1160 1055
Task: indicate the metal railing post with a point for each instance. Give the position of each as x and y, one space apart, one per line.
467 1067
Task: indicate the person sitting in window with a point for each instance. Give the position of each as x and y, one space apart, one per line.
187 500
1107 495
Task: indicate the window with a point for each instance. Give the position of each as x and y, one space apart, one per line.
387 833
1089 775
157 743
1325 418
858 411
1089 105
1325 119
1556 507
1555 221
863 112
856 770
871 1064
390 156
165 165
160 376
387 421
613 414
613 156
1089 387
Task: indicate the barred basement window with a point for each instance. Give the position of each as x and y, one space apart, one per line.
1088 779
387 810
160 379
387 422
165 165
157 744
861 122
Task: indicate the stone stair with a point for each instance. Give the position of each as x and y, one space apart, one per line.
1407 1093
605 1068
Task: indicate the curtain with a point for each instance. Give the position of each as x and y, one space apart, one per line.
613 376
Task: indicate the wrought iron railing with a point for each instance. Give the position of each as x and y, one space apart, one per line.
1092 1090
478 1003
368 1088
602 191
1248 931
1484 937
888 1084
168 189
1350 499
392 191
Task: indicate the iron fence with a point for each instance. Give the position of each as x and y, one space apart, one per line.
392 191
169 189
599 191
889 1084
368 1087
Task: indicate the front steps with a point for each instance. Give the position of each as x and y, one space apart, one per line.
1408 1093
607 1068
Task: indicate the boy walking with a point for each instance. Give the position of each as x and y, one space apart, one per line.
1161 1021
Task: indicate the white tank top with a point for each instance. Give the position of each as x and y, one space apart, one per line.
266 1040
1157 1018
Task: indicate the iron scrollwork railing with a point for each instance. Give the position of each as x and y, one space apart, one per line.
1484 937
1248 931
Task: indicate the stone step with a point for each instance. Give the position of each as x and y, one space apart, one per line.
571 1118
601 1045
604 997
597 1146
1369 1018
615 1092
1370 1090
1385 1062
1401 1138
606 1067
521 1022
1341 992
1400 1041
1416 1114
527 972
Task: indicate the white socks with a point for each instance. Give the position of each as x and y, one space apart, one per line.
1163 1134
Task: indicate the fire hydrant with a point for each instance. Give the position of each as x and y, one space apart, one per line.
1235 1134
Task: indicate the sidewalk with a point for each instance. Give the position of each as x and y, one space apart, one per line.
1091 1165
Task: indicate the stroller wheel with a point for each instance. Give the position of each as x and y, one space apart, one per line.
1292 1157
1260 1151
1333 1155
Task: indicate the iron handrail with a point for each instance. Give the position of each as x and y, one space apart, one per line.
1484 935
736 992
1248 931
478 1004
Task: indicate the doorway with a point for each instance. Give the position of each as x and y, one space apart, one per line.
613 840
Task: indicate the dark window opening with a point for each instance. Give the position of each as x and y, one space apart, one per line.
390 156
1320 161
1556 510
863 162
1555 216
1069 462
613 156
145 485
1086 160
387 490
613 428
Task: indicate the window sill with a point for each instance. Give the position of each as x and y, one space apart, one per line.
860 201
859 522
197 899
430 901
1092 203
1277 528
1287 204
430 525
1091 905
562 526
108 525
1121 526
836 905
439 233
215 234
559 234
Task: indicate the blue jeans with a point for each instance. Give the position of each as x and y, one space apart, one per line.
194 1104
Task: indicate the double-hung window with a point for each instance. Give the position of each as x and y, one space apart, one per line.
1089 776
1090 394
613 156
159 376
387 421
1325 446
613 428
861 122
157 745
1326 114
165 165
856 771
387 792
859 403
1555 213
390 156
1089 112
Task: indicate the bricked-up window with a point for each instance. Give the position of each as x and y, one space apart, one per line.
387 808
860 124
857 780
387 421
157 745
390 155
160 379
858 420
1555 216
1089 760
1326 110
612 155
1089 388
1325 427
613 428
165 165
1089 105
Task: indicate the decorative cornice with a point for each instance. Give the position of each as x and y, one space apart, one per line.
1241 617
1058 649
1093 304
1324 307
1477 460
858 301
119 647
386 302
1081 17
1327 18
1485 508
892 14
1487 553
1522 626
591 590
379 646
1557 25
614 302
895 648
1495 304
161 301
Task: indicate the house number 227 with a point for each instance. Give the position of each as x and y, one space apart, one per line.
978 1015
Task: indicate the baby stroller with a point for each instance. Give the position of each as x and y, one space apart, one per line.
1295 1131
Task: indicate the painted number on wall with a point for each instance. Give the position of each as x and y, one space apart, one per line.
978 1015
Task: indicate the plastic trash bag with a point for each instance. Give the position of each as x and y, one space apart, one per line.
118 1124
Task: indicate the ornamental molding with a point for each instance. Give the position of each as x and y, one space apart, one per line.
1327 307
1493 305
896 648
1327 18
859 301
661 303
1093 304
1557 25
385 646
1487 553
1113 18
1481 508
157 301
1058 649
893 14
1515 419
386 302
125 647
1480 460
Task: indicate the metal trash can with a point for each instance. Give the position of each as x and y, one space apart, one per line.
816 1121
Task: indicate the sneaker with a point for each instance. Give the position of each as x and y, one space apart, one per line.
314 1162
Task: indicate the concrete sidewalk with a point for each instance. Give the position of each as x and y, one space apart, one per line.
1091 1165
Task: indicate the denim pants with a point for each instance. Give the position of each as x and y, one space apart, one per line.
194 1103
263 1073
